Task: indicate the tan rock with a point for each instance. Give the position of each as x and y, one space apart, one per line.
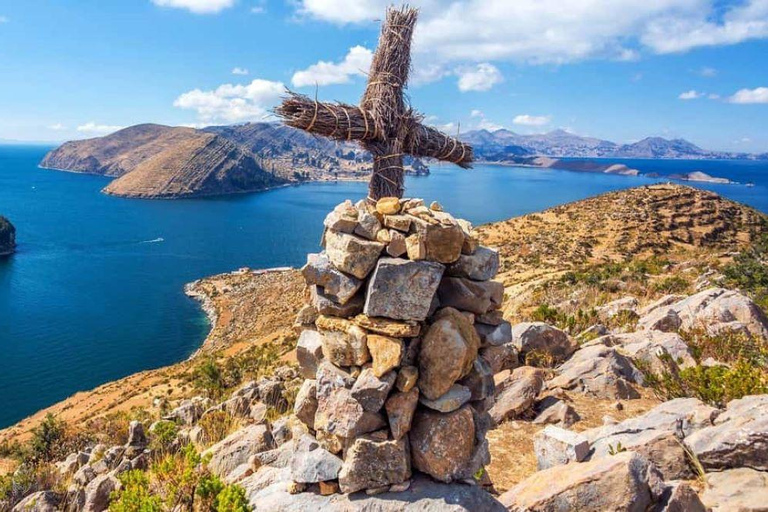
517 394
328 488
398 222
342 415
435 206
346 348
400 408
447 353
384 236
416 248
386 353
442 444
388 327
371 464
351 254
388 206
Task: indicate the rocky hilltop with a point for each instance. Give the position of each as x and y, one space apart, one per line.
154 161
7 237
628 354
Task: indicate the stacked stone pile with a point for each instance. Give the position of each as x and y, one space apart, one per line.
402 309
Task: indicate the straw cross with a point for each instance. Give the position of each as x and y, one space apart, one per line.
383 123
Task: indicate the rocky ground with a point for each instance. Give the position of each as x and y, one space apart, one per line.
630 373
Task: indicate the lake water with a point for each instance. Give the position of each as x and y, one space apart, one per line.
95 291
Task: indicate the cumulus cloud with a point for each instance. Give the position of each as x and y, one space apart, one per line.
356 63
708 72
558 31
230 103
528 120
239 71
477 113
691 95
57 127
197 6
747 96
93 128
479 78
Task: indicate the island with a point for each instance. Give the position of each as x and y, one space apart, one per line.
7 237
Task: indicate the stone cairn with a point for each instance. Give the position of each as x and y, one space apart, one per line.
402 306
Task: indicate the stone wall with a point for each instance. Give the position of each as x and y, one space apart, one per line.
402 310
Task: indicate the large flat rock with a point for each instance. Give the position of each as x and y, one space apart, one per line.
402 289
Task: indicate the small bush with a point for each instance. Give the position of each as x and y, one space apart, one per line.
216 426
163 436
672 284
134 495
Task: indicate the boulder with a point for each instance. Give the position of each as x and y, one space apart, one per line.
503 357
371 391
467 295
326 305
330 377
238 447
370 464
715 309
309 353
447 352
305 406
516 394
542 338
337 285
189 411
386 353
41 501
368 225
400 408
388 206
555 446
617 307
351 254
423 495
482 265
664 301
554 411
344 343
449 401
494 335
398 222
656 434
443 242
598 371
311 463
136 436
402 289
742 489
679 497
649 347
340 414
738 438
396 246
442 445
389 327
626 482
98 491
343 218
479 380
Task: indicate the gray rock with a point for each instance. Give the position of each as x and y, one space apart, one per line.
664 301
553 411
41 501
443 242
598 371
738 438
479 380
480 266
98 491
516 394
238 447
400 408
309 353
305 406
679 497
626 482
327 305
494 335
340 414
650 347
423 495
500 358
542 338
451 400
369 464
371 391
311 463
554 446
616 307
351 254
472 296
343 218
367 225
136 436
189 411
336 285
402 289
742 489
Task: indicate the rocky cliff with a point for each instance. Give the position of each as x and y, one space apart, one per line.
7 236
154 161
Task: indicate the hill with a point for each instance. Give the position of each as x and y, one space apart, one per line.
7 236
154 161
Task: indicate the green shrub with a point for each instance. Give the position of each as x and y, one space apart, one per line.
163 436
134 495
672 284
231 499
48 441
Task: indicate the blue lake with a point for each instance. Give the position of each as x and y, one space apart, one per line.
95 291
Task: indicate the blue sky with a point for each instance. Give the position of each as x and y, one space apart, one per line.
616 69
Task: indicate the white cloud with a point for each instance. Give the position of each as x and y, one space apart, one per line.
477 113
746 96
356 63
258 9
197 6
691 95
713 96
233 103
528 120
239 71
708 72
479 78
558 31
486 124
4 19
57 127
98 129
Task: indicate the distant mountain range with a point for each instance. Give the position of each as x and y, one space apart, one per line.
505 145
